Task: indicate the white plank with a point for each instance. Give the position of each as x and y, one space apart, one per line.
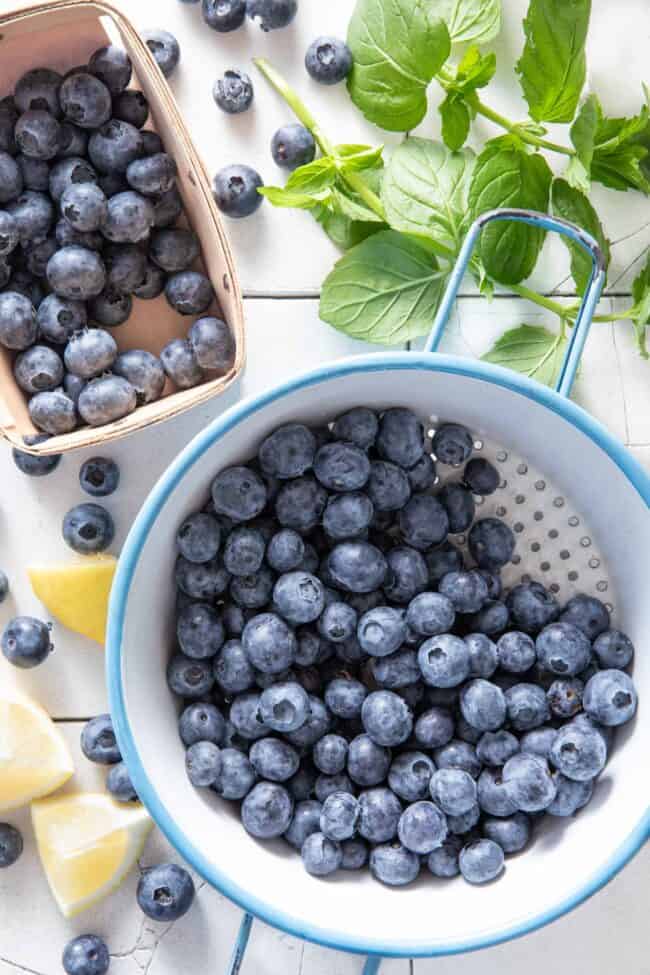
635 376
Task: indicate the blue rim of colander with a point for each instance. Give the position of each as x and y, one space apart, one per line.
169 481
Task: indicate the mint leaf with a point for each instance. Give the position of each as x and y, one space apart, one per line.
358 158
641 295
507 176
425 189
313 177
397 46
475 70
553 67
531 350
471 21
455 121
385 290
352 206
621 147
583 137
573 205
342 231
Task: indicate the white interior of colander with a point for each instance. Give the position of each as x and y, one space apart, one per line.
352 909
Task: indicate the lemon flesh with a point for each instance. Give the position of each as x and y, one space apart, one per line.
76 593
34 757
88 844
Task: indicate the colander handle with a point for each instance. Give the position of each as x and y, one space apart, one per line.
580 330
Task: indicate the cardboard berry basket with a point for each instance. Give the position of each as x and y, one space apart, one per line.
60 34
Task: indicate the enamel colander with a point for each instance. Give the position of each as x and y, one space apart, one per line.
578 504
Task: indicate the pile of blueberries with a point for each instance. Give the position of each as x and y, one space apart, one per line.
88 214
356 686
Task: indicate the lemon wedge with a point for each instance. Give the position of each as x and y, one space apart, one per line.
34 757
76 593
87 844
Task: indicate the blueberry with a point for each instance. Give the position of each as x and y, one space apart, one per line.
494 748
151 143
58 318
98 741
379 815
430 613
86 955
422 826
254 591
388 486
113 146
74 142
199 537
11 178
300 504
341 467
70 171
330 755
483 655
587 613
481 477
76 272
444 660
386 718
106 399
458 754
37 255
84 206
35 173
321 856
26 642
610 698
571 795
153 282
452 444
494 797
344 697
180 364
53 412
8 233
164 48
293 146
528 782
33 465
274 759
99 476
328 60
481 861
442 560
483 705
234 92
317 724
144 372
245 716
347 515
152 175
88 528
131 106
304 822
409 775
66 236
237 776
288 452
38 89
232 669
38 369
459 505
38 134
564 697
167 208
8 118
338 622
34 214
400 438
267 810
434 728
394 865
243 551
327 785
491 543
18 324
200 631
538 741
613 649
90 352
339 816
201 722
299 597
443 861
467 591
381 631
129 218
511 832
492 618
563 649
516 652
112 65
355 854
189 292
223 15
453 790
235 190
11 845
239 493
357 566
212 343
358 426
368 762
284 707
272 14
189 678
285 550
165 892
85 100
578 752
465 823
269 643
119 785
234 619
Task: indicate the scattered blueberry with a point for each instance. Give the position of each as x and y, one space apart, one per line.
98 741
223 15
11 845
165 49
292 146
88 528
86 955
235 190
328 60
119 785
26 642
165 892
272 14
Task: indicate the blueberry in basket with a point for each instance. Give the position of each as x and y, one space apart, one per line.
359 684
88 226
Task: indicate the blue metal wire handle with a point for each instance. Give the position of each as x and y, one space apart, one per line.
580 330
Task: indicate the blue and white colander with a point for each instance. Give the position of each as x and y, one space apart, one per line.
577 501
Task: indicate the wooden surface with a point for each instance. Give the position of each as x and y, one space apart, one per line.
282 259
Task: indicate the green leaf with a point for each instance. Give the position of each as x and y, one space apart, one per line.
583 137
573 205
281 197
342 231
553 66
397 46
313 177
507 176
641 294
425 189
471 21
621 147
455 121
385 290
352 206
475 70
531 350
357 158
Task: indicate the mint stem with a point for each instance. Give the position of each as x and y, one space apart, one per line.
527 137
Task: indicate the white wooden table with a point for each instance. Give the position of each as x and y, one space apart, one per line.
282 260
